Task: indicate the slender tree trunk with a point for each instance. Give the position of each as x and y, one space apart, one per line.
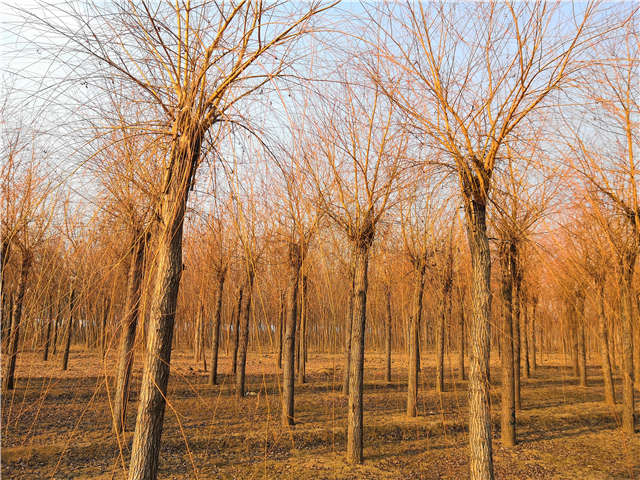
103 329
508 416
481 455
69 330
168 260
356 372
532 326
303 333
445 314
47 338
236 331
628 420
574 341
349 324
414 338
280 329
582 350
215 331
56 326
609 392
516 275
461 372
16 320
197 336
244 336
387 374
291 302
524 317
636 343
128 332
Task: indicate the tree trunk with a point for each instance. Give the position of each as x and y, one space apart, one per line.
236 331
481 455
628 420
128 332
168 258
47 338
215 331
532 326
103 330
609 392
69 330
387 374
582 350
291 302
56 326
461 372
244 335
524 317
302 363
508 412
16 320
356 371
516 275
414 338
280 329
349 332
197 336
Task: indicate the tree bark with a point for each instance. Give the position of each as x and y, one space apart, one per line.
356 371
47 338
628 419
420 269
128 332
532 325
508 412
244 335
480 447
524 318
302 364
461 372
582 350
387 373
236 331
69 330
347 369
516 276
16 320
291 302
280 329
609 392
168 257
215 331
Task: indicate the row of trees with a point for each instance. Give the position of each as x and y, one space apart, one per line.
224 167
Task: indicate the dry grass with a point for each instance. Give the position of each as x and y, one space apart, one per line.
58 426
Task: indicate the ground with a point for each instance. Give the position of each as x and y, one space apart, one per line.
57 425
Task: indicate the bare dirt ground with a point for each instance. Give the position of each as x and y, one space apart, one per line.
57 425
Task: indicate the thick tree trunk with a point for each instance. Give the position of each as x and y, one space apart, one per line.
481 455
387 373
628 420
302 364
291 302
508 412
69 330
215 331
243 342
168 259
356 372
414 338
236 331
128 332
16 320
609 392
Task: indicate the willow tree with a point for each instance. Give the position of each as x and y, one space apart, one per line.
608 163
471 75
356 163
191 65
